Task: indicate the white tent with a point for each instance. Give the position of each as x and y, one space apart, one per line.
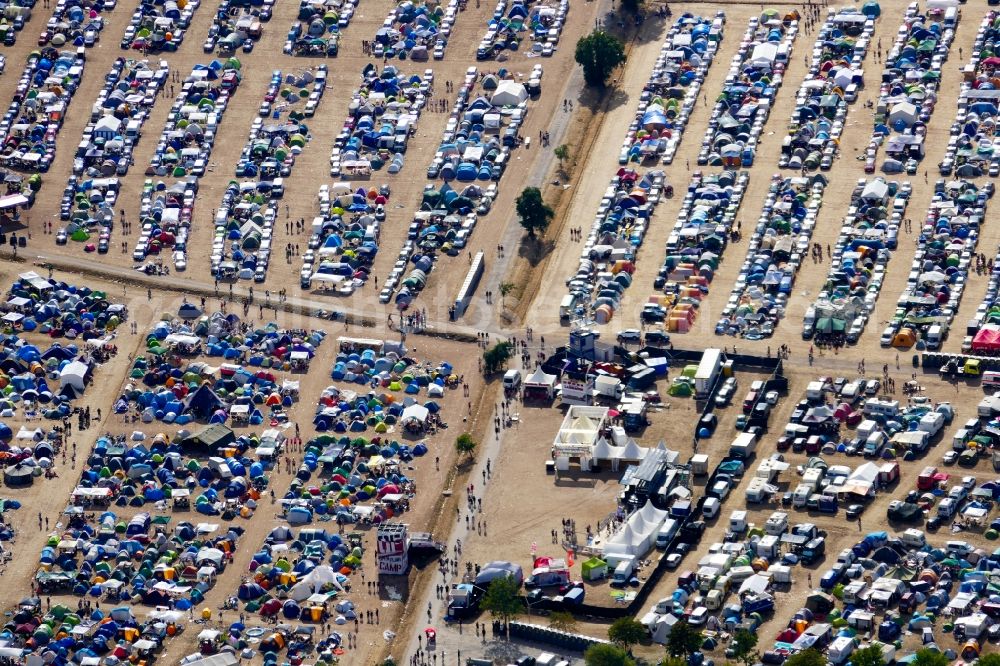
660 631
314 582
509 93
415 413
633 452
756 583
764 54
604 450
875 190
904 112
73 375
639 533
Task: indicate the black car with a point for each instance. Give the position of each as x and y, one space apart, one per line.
786 499
854 511
934 524
708 422
657 338
692 532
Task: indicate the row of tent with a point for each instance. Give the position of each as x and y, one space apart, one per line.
616 234
928 583
189 132
941 266
473 157
671 93
271 148
695 245
88 205
122 107
44 91
168 212
237 25
70 23
159 26
822 101
229 481
357 480
320 24
985 325
343 412
244 231
510 20
15 15
777 247
106 558
382 114
244 221
861 253
58 308
61 637
29 390
346 236
752 83
909 90
226 335
198 391
971 148
413 28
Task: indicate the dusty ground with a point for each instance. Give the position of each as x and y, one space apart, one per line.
513 518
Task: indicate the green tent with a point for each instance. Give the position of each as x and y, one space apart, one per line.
595 569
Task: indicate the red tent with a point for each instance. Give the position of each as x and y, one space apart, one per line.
986 339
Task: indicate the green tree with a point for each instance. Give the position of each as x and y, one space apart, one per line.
502 600
505 288
631 6
599 53
684 640
532 211
869 656
810 657
926 658
495 358
626 632
745 647
465 444
990 660
562 621
602 654
562 154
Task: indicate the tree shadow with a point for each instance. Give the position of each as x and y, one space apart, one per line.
602 100
622 26
501 651
534 250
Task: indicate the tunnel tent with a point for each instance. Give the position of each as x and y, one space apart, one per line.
509 93
210 437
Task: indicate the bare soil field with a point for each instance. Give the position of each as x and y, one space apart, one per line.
521 505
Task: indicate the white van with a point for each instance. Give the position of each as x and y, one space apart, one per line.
567 306
991 379
698 616
666 533
511 379
623 572
913 538
710 509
